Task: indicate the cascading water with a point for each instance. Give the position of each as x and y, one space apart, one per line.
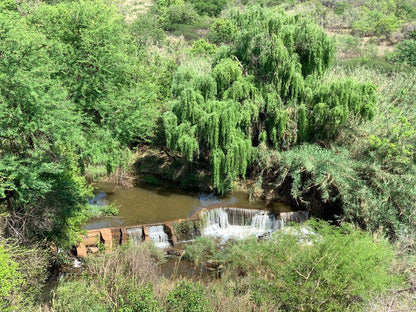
239 223
158 236
294 216
135 234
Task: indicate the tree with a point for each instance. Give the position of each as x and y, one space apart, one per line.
267 86
70 94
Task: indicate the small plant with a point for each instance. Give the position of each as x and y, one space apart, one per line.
185 230
201 250
187 297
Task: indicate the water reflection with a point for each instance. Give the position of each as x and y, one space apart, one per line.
146 204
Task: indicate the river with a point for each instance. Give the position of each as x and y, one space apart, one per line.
150 204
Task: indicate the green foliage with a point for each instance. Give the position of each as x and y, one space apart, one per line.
298 46
141 300
178 14
337 101
376 23
320 268
11 281
98 66
209 7
147 29
186 229
370 195
70 96
9 5
274 65
221 31
225 73
187 297
79 295
202 47
399 147
95 211
201 250
20 280
405 52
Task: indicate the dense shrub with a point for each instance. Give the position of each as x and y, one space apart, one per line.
187 297
324 268
81 295
202 47
369 194
209 7
178 14
267 87
221 31
147 30
140 300
405 52
375 23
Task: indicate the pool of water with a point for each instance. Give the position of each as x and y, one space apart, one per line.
150 204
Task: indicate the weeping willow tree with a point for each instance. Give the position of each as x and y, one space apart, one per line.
288 56
268 85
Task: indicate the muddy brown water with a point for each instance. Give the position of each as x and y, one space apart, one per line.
150 204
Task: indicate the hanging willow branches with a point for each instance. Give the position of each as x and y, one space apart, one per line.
267 86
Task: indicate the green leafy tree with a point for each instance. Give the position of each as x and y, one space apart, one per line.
267 86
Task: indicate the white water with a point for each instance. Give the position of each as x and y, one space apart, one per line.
237 223
135 235
294 216
158 236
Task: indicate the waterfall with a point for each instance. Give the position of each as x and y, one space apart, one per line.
238 223
135 235
294 216
158 236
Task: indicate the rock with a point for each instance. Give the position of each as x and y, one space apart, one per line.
146 234
107 239
81 250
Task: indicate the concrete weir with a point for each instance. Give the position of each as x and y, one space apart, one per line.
220 221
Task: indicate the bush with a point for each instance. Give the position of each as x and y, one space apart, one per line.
141 300
405 52
202 47
179 14
147 29
325 268
187 297
221 31
201 250
209 7
375 23
79 296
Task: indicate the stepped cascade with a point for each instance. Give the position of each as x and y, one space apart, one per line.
223 222
239 223
158 236
135 234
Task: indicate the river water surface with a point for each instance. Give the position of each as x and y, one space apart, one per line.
150 204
